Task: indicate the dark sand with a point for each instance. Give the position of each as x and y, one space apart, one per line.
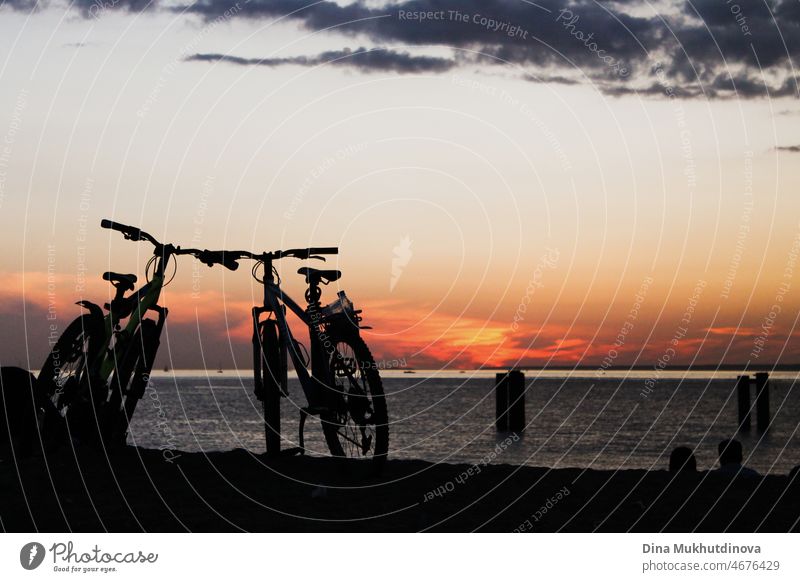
236 490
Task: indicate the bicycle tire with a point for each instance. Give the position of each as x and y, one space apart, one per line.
66 373
129 384
359 409
271 375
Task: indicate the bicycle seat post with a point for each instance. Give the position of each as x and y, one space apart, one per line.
313 310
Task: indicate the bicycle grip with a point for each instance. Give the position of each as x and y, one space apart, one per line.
129 231
323 251
231 264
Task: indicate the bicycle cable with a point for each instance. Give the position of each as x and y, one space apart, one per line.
302 353
254 273
150 264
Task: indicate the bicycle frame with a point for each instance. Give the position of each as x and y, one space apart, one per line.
109 358
118 373
273 298
122 358
313 384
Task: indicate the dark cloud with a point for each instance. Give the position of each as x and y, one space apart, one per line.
711 48
715 48
519 32
557 79
361 59
88 8
795 149
96 8
755 33
21 5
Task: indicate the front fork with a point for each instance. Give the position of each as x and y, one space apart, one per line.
269 374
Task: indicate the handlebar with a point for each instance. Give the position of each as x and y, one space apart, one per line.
129 232
226 258
304 254
210 258
309 253
230 259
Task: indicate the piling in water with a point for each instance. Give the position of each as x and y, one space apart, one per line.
510 401
743 397
762 401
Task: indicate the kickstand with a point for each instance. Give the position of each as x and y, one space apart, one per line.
301 440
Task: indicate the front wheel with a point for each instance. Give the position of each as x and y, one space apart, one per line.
356 423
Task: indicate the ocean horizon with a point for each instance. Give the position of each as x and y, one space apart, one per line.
577 420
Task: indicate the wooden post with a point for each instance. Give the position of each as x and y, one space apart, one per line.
762 401
501 402
510 401
743 397
516 401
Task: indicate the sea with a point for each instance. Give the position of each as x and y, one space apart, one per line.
575 419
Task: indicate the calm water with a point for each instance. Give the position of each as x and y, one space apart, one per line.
574 420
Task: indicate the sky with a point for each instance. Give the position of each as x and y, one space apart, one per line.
510 183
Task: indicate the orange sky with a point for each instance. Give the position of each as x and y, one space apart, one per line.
532 211
217 325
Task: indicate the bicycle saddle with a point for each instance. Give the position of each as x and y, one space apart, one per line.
314 276
120 281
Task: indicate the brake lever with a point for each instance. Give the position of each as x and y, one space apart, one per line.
316 257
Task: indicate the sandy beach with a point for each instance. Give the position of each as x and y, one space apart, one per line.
139 490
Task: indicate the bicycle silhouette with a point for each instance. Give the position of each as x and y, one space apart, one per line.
339 377
98 370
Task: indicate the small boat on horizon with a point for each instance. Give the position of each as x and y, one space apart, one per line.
409 372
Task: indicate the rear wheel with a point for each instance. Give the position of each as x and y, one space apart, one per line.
65 378
356 424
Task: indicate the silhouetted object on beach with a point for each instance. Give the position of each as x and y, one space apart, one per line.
510 401
794 476
762 401
18 418
337 373
682 460
743 384
100 366
730 460
743 398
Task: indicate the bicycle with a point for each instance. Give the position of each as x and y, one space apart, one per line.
98 370
343 386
